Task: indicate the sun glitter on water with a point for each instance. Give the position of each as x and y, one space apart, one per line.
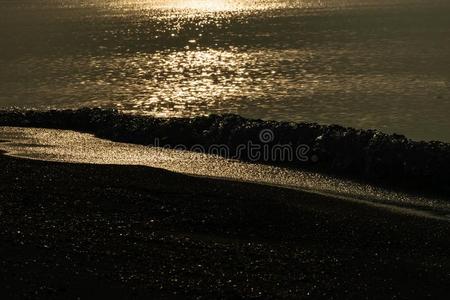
197 6
209 5
204 5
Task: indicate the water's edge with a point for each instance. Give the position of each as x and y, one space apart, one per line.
367 155
55 145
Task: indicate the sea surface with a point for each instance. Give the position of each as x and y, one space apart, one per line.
362 63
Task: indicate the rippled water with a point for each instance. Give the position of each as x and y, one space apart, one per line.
70 146
361 63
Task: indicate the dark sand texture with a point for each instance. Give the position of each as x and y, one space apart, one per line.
73 230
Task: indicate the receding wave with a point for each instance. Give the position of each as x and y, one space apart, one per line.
367 155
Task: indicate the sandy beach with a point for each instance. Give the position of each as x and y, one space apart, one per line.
80 230
224 149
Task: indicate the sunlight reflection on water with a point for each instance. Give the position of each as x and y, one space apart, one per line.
366 64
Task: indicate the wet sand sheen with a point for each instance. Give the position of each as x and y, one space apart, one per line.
70 146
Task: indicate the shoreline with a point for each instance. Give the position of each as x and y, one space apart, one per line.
363 155
73 147
138 232
420 211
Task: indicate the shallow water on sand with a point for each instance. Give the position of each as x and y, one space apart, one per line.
361 63
70 146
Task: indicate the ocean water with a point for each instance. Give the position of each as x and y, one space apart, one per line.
361 63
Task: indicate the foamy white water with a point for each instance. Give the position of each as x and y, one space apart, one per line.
70 146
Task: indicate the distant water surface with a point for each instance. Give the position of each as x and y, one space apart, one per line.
361 63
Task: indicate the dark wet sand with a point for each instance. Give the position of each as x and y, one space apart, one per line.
74 230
